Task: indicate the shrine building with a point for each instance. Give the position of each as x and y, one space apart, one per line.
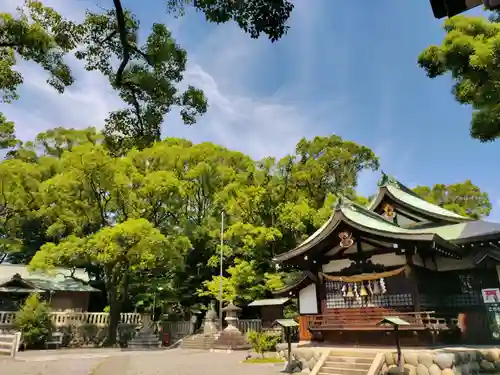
402 256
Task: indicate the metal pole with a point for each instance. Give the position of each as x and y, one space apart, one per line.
221 269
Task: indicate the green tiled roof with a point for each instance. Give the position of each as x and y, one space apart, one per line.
66 285
405 195
269 302
415 201
58 280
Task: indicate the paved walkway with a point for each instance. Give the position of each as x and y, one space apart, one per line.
106 362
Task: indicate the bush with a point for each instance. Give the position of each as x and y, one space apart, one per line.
262 342
34 321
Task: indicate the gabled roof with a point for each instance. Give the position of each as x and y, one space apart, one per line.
269 302
365 221
398 192
59 280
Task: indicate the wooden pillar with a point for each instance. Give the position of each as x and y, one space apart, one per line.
320 289
413 282
304 334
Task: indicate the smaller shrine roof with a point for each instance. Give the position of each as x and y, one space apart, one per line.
269 302
465 232
286 323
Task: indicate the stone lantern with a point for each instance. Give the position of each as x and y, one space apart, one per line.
232 312
231 337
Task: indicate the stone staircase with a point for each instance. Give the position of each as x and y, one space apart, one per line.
200 341
347 362
144 340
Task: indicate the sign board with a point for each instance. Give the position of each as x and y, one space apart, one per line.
491 299
393 321
491 295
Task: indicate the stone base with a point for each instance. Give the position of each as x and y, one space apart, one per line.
444 362
231 339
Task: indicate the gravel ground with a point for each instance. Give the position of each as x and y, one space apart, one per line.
96 362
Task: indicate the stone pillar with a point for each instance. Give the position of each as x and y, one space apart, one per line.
210 321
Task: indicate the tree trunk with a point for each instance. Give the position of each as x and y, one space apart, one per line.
114 315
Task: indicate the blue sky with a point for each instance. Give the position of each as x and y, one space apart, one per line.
345 67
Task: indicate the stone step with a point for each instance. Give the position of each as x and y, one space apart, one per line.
353 354
359 360
343 370
341 364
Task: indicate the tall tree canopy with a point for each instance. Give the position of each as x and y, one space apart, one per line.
469 52
151 218
465 198
149 70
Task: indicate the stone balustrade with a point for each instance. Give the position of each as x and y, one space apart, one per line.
62 319
444 362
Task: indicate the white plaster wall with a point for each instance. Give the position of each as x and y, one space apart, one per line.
336 265
446 264
389 259
307 300
385 259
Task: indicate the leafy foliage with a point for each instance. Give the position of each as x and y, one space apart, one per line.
263 342
469 52
253 16
147 224
34 321
465 198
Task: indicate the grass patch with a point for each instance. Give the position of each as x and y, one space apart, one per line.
264 360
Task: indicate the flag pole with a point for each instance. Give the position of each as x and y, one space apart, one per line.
221 269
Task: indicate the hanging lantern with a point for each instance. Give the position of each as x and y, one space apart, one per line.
349 293
346 239
363 292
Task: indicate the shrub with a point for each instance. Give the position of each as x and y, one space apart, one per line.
262 342
33 321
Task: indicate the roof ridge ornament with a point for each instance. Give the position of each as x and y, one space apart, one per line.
340 202
386 179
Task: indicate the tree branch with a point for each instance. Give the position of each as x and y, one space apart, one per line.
122 30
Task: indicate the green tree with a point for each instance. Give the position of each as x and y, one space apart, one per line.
468 52
122 250
272 205
147 78
465 198
255 17
39 34
34 321
19 200
263 342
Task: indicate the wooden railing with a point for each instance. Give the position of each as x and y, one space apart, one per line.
61 319
366 319
247 325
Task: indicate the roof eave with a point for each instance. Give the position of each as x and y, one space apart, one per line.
382 191
307 246
480 238
288 290
392 235
433 215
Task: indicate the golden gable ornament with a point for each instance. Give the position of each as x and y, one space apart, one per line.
346 239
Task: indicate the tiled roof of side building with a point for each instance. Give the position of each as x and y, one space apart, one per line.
58 280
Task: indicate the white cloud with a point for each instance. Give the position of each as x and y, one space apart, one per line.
219 64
